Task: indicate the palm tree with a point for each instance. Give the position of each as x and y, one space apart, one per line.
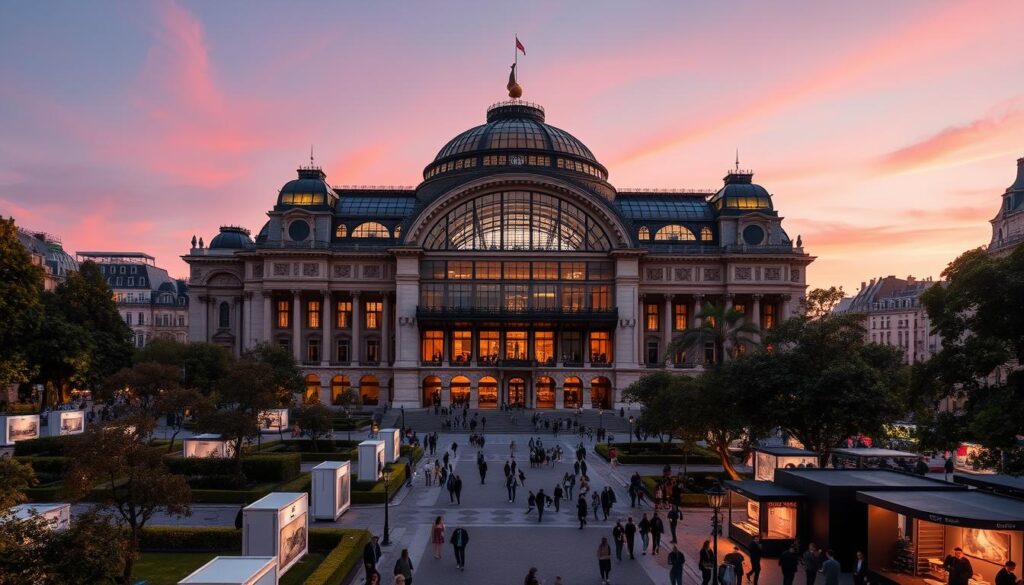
725 327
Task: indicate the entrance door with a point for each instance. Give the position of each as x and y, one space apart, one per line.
517 392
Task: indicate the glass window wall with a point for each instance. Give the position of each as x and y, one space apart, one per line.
515 345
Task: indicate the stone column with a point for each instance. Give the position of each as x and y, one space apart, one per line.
246 321
446 393
698 302
641 329
784 307
587 404
754 317
667 333
560 395
236 315
268 302
474 394
355 348
297 325
211 318
385 331
327 317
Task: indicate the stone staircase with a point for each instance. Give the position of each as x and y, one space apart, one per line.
424 420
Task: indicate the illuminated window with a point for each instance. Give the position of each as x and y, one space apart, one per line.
600 347
573 298
681 317
545 270
705 234
573 270
460 270
674 232
489 346
515 297
302 199
313 314
768 316
343 312
645 234
601 298
341 231
545 297
374 309
740 308
373 350
544 347
433 345
282 314
371 229
462 346
517 270
398 231
652 317
488 270
515 345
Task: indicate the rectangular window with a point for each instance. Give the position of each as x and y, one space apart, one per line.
517 270
573 270
488 296
343 314
768 316
573 298
460 296
489 346
600 347
343 351
313 314
572 347
600 271
462 347
742 308
545 270
515 345
142 318
679 358
600 297
284 344
460 270
515 297
488 270
652 353
131 281
432 270
283 314
313 350
433 346
432 296
544 347
545 297
681 316
652 317
373 351
374 309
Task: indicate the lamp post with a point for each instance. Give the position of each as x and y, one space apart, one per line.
715 496
387 501
631 421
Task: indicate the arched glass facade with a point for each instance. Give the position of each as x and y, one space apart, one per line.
517 220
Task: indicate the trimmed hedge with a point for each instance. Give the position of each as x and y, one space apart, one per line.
51 446
342 560
265 467
689 499
303 483
365 492
650 453
413 454
189 538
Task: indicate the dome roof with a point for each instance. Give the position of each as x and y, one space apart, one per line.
311 180
740 193
231 238
516 128
59 261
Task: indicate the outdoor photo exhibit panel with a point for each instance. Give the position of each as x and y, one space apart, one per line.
277 524
235 571
66 422
392 445
332 489
909 535
19 428
767 460
371 460
273 421
209 445
57 516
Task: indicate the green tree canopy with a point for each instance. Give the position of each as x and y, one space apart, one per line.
21 286
723 327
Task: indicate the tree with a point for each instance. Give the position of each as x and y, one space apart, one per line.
128 476
21 285
822 383
202 365
725 328
287 378
144 382
178 404
90 551
248 388
821 301
15 478
317 420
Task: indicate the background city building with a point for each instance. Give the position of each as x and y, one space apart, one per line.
895 316
1008 224
152 303
515 273
48 253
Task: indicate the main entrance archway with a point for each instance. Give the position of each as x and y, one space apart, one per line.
431 391
369 390
488 392
545 392
517 392
460 390
601 393
573 392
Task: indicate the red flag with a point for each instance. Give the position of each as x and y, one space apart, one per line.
520 46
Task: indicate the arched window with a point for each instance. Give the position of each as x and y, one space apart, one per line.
224 317
312 394
340 389
517 220
371 229
398 231
645 234
369 390
431 391
674 232
341 231
705 234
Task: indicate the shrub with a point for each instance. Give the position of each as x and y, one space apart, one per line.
365 492
303 483
53 446
264 467
191 538
342 560
413 454
650 453
48 464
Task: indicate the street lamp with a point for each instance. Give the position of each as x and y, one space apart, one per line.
631 421
387 500
715 496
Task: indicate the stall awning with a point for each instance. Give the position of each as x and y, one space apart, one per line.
971 509
783 451
1007 484
763 491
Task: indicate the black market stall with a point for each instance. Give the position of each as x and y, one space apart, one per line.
767 459
872 458
832 515
1006 485
766 509
911 533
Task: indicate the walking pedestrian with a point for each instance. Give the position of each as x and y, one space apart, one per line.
676 560
830 568
674 516
531 502
459 539
510 485
789 563
657 529
631 537
581 511
542 501
482 467
371 555
403 567
558 493
860 571
619 538
604 560
645 531
438 536
707 562
595 504
811 563
531 577
458 490
735 558
755 552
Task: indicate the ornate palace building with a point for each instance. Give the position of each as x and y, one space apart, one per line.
514 273
1008 224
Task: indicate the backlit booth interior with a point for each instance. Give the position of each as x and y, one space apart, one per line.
766 509
767 459
911 533
872 458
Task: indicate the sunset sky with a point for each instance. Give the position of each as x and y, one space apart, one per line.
886 131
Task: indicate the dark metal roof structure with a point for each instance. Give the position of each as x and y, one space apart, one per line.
863 478
663 207
971 509
783 451
763 490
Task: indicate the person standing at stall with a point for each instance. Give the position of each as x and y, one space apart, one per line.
1005 576
811 563
789 563
958 567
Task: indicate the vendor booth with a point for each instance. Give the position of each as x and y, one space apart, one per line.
273 421
832 516
278 525
208 445
332 490
766 509
392 444
65 422
767 459
234 571
58 516
997 483
911 533
872 458
14 428
371 461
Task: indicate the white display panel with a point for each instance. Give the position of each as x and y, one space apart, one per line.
277 525
235 571
58 516
204 446
66 422
19 428
332 489
392 444
273 421
371 460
